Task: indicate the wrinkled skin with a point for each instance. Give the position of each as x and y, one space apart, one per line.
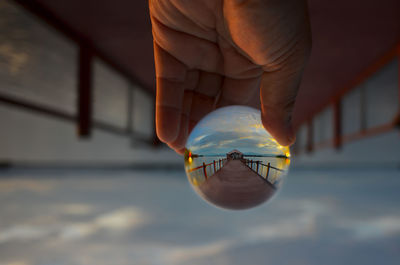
212 53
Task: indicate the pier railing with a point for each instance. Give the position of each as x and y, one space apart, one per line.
210 168
264 170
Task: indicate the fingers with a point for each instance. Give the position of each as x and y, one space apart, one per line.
195 52
168 109
278 94
280 84
170 74
183 98
201 89
179 143
209 84
240 92
204 99
201 106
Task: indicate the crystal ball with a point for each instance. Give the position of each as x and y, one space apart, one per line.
232 162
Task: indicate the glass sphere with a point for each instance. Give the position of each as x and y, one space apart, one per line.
232 162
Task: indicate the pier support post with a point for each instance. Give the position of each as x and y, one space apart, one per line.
337 124
310 137
268 166
84 103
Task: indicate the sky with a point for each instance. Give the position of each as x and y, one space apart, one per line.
154 218
234 127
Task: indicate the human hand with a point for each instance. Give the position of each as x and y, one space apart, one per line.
212 53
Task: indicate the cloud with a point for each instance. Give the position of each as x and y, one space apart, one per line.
16 185
179 255
302 224
367 229
24 232
199 138
232 128
127 218
121 219
222 142
75 208
16 262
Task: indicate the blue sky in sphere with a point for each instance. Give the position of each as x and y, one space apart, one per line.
233 127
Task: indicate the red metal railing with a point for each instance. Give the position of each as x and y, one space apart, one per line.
84 118
258 167
64 116
215 165
339 137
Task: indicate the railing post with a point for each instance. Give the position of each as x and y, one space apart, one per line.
398 73
257 166
129 116
398 84
266 176
204 170
85 99
337 124
214 167
310 137
363 110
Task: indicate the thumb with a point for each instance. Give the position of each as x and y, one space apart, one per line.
278 95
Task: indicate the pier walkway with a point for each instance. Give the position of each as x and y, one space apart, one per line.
236 186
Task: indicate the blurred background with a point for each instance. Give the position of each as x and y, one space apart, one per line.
84 180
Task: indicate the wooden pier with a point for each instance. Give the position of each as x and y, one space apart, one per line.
235 185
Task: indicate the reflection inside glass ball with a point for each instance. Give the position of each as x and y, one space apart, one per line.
232 161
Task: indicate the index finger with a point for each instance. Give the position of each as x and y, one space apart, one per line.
170 76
